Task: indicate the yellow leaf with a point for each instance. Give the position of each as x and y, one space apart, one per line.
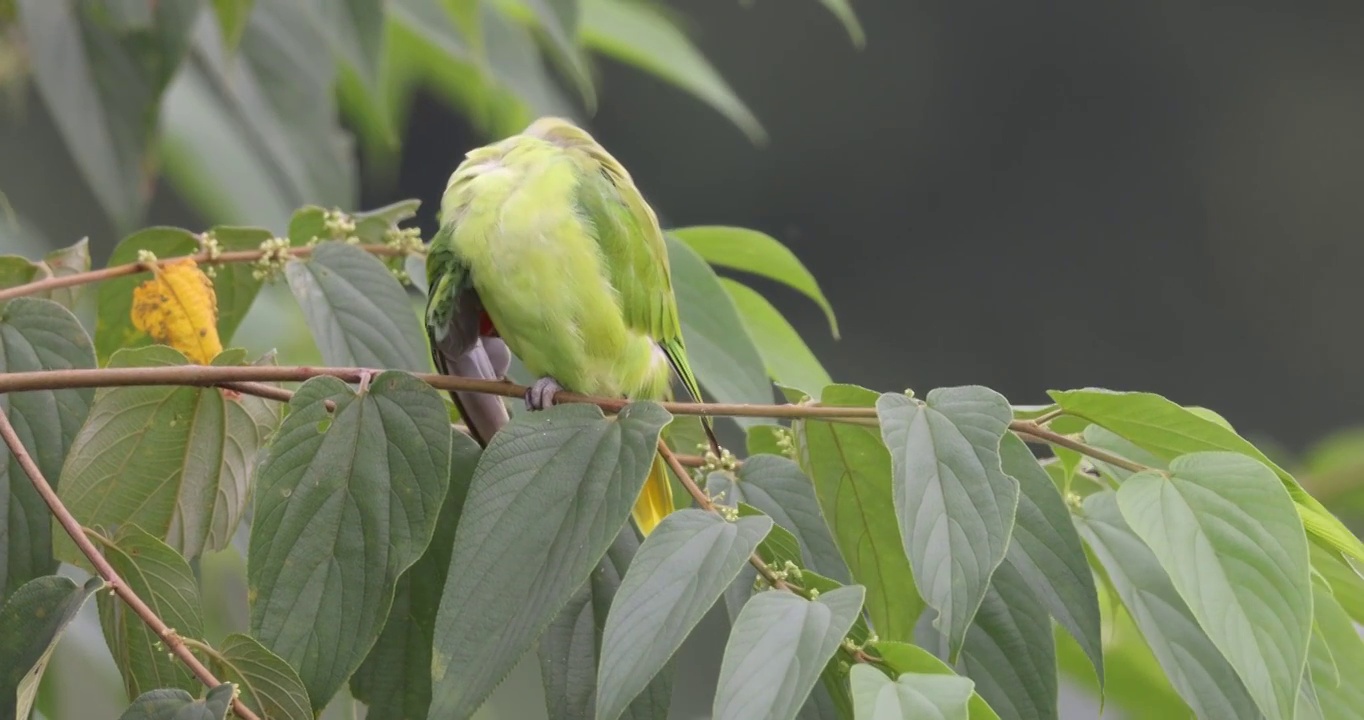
178 307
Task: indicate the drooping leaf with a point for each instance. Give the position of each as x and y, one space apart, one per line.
346 501
1346 584
550 494
788 359
1168 430
101 72
175 461
1225 530
910 696
1133 678
36 335
1046 551
954 504
759 253
570 648
179 705
1195 666
395 678
639 35
679 572
720 351
851 471
776 486
777 649
358 312
269 686
163 580
1338 660
247 136
31 622
905 658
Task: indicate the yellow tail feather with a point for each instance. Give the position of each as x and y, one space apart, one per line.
655 499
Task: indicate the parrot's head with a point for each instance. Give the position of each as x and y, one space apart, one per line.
558 131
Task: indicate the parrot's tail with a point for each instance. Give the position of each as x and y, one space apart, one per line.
655 499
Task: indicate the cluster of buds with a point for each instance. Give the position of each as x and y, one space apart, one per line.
854 647
713 463
788 571
208 244
274 255
147 258
340 226
407 241
1074 501
786 442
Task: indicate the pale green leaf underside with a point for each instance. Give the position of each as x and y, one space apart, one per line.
911 696
31 623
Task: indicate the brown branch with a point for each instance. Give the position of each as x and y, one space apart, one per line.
73 528
1032 432
133 268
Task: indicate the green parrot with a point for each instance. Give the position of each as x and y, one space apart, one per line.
546 248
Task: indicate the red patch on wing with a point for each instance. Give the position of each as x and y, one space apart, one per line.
485 325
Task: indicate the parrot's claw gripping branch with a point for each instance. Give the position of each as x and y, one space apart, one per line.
540 395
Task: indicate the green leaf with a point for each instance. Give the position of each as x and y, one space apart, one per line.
770 440
395 678
180 705
31 623
905 658
36 335
234 285
787 358
1195 666
162 578
680 571
269 686
101 70
355 31
719 348
776 486
1337 662
232 15
911 696
777 649
842 9
550 494
570 648
1009 651
346 501
851 471
1168 430
640 35
1346 584
954 504
358 312
1047 552
15 270
758 253
175 461
251 135
1225 531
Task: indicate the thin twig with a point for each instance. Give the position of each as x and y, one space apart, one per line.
133 268
172 640
1032 432
1047 417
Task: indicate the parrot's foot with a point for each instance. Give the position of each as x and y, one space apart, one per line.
540 395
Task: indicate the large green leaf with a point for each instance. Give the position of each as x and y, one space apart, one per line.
1195 666
720 350
787 358
1046 551
954 503
395 678
36 335
777 649
162 578
15 270
911 696
269 686
358 312
851 471
776 486
680 571
346 501
180 705
905 658
571 646
31 623
247 136
638 34
101 68
176 461
1337 662
550 494
759 253
1225 530
1134 680
233 283
1169 430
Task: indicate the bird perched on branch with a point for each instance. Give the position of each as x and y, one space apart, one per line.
546 245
